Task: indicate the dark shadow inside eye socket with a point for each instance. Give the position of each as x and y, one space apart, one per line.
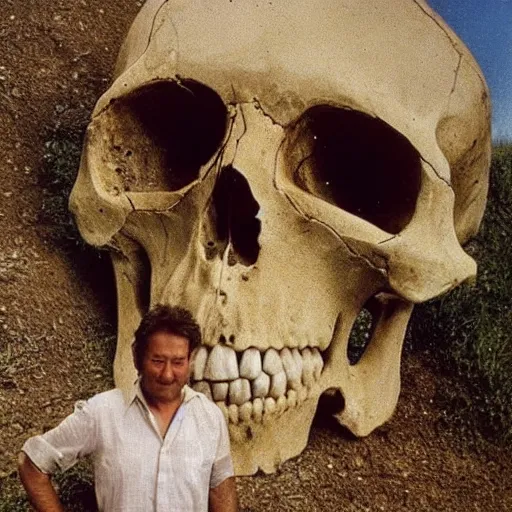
360 164
184 122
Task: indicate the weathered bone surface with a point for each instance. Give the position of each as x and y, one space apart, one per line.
280 168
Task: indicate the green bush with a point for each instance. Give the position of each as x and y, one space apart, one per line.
468 332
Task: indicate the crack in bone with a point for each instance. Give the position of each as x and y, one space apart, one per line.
188 188
384 270
143 53
256 102
456 77
351 250
386 240
131 202
309 218
453 43
280 380
244 122
447 183
225 257
443 29
129 278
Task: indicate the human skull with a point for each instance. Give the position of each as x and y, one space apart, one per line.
277 168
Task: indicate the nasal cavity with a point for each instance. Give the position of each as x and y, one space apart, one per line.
236 210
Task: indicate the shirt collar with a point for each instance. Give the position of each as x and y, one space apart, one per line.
135 392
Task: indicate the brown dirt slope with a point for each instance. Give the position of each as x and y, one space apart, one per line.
56 298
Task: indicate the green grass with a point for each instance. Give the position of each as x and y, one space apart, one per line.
468 333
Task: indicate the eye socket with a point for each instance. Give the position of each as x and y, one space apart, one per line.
358 163
159 136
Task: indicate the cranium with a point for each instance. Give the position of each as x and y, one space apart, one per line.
277 168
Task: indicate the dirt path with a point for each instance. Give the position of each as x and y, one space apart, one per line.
56 307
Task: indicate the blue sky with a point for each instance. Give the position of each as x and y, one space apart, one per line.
485 26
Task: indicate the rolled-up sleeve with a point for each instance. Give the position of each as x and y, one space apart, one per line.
223 464
61 447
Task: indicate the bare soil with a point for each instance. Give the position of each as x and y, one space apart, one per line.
57 320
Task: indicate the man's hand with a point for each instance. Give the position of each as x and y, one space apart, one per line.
223 498
39 487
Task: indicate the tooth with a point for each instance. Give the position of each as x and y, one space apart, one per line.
307 367
224 408
222 364
203 387
292 398
278 385
250 365
245 412
257 409
318 363
269 406
261 385
290 367
281 404
302 394
233 414
220 391
298 359
199 362
272 362
239 391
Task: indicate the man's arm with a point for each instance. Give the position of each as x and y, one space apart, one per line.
38 485
223 498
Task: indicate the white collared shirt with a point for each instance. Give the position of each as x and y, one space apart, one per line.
135 468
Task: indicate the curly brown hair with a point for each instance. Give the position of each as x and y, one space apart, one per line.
169 319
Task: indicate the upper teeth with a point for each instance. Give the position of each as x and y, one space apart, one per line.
221 365
275 378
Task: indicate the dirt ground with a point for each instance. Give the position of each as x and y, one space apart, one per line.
57 306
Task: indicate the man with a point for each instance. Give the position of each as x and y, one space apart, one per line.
161 447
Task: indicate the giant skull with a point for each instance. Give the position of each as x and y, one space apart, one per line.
278 168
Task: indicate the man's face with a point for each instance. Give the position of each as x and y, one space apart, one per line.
165 367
